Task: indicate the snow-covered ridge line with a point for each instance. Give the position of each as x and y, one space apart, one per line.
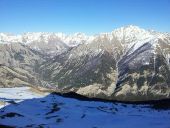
124 33
30 37
57 43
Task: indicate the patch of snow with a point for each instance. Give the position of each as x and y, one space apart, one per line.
18 93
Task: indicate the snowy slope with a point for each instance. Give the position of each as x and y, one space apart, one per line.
51 111
17 95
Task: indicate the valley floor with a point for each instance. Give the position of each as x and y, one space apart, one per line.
26 107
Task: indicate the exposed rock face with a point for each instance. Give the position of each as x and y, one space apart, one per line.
127 64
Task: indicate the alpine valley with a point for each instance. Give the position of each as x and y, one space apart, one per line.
127 64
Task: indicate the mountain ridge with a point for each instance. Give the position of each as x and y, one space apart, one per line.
128 63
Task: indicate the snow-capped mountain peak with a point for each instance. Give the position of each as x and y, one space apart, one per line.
131 33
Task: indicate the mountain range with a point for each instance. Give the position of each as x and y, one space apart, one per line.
127 64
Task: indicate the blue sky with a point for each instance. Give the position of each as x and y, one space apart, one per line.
88 16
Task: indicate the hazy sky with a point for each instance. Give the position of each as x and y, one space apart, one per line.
88 16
